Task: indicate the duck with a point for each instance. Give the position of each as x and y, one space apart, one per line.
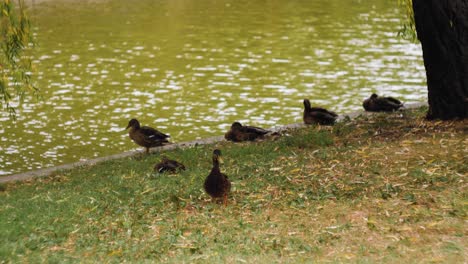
168 165
239 133
376 103
318 115
145 136
217 184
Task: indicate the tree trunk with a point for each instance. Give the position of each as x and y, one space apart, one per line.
442 28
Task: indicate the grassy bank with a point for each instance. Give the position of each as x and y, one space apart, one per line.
382 188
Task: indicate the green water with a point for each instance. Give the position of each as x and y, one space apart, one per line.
192 67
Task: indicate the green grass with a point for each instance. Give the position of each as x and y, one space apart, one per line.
385 188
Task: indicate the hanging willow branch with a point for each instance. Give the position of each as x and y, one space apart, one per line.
15 65
408 28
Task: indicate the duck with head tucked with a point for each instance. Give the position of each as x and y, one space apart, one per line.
217 184
239 133
168 165
376 103
318 115
145 136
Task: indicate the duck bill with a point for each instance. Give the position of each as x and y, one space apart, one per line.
220 160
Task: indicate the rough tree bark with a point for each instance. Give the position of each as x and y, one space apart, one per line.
442 28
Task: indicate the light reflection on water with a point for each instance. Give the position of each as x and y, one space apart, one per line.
191 68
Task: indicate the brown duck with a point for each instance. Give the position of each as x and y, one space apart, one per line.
239 133
318 115
145 136
168 165
217 184
376 103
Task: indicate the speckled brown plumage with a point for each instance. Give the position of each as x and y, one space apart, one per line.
145 136
318 115
376 103
239 133
168 165
217 184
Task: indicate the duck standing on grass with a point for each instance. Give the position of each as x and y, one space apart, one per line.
376 103
217 184
239 133
145 136
318 115
168 165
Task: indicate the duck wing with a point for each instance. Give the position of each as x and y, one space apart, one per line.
152 133
323 110
226 183
324 118
393 100
169 165
175 164
161 167
386 105
254 130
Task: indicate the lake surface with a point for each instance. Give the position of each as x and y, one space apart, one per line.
192 67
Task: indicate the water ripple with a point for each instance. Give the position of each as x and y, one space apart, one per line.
194 76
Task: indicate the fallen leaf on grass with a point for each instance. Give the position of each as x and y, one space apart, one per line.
115 252
295 170
148 190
